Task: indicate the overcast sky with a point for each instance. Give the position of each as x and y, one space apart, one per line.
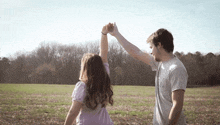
24 24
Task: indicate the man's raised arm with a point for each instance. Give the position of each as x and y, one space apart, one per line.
134 51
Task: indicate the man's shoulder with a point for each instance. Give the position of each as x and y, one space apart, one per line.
176 64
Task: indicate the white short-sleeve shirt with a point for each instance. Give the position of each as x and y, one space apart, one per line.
171 75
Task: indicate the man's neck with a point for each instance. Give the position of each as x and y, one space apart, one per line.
167 56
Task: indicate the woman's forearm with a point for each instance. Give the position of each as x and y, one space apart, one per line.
73 113
104 48
70 119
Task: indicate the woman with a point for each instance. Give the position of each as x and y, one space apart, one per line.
93 92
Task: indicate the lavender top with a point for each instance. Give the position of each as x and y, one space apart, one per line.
86 116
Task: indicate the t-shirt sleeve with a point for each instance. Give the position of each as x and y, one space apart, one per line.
107 68
79 92
153 63
178 79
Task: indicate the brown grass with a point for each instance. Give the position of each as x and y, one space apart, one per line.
24 104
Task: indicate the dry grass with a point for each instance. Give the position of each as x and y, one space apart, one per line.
25 104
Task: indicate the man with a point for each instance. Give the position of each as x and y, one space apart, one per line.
171 75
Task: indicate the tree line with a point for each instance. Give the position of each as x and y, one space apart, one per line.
53 63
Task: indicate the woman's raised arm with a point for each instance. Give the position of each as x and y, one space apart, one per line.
104 42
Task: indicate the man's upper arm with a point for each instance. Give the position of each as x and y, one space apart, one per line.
148 59
178 79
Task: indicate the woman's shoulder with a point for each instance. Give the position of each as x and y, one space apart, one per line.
79 92
106 64
80 84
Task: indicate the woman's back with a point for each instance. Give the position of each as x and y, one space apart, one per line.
87 116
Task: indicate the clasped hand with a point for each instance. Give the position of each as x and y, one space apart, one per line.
110 28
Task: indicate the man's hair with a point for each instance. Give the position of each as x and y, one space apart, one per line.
98 85
164 37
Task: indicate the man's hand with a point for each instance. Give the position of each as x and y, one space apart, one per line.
108 28
114 31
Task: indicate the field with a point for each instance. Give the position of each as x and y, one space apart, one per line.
42 104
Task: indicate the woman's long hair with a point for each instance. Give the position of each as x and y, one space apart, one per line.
98 86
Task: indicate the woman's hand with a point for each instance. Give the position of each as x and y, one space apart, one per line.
108 28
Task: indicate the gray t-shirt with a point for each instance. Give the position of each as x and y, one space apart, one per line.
171 75
86 116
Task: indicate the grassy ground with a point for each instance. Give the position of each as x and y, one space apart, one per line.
38 104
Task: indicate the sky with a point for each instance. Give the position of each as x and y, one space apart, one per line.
24 24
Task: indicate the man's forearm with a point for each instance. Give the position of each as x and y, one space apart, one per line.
174 114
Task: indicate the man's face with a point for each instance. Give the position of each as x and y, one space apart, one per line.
155 52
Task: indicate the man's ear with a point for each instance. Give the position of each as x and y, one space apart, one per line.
159 46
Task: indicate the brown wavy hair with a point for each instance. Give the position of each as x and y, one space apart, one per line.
98 85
